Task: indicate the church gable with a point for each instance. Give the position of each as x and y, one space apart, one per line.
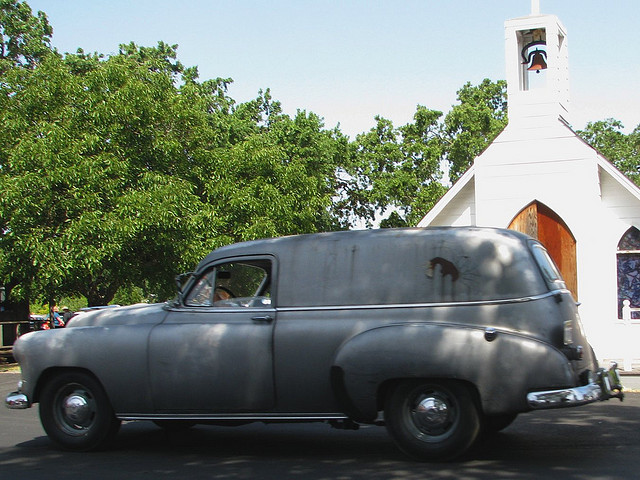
619 195
457 207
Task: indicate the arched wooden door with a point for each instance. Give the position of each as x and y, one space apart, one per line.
539 221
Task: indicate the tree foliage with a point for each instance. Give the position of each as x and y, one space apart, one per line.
123 171
402 171
472 124
90 191
24 38
623 150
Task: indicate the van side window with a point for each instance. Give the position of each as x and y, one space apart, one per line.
548 268
244 283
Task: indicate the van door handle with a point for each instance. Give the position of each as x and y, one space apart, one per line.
263 319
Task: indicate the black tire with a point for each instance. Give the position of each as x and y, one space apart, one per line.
492 424
76 413
432 420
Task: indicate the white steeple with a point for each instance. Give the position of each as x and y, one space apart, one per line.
535 7
536 96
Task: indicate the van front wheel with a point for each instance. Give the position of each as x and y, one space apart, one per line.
76 413
432 420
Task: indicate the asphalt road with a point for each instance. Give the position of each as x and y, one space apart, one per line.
598 441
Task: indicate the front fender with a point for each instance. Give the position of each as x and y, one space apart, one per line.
115 355
503 367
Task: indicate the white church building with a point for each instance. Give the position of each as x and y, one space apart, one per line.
539 177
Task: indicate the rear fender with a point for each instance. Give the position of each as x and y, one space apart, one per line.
503 367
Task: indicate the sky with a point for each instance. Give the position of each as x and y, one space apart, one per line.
350 60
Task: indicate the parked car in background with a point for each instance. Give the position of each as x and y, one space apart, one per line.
37 322
440 334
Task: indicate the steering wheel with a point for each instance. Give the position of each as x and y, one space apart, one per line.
222 293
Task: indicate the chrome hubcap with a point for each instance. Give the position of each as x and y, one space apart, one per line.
76 408
431 413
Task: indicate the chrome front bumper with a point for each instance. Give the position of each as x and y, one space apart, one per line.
17 401
607 385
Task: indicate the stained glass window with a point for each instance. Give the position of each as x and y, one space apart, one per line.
629 271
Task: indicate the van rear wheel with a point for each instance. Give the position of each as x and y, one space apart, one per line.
432 420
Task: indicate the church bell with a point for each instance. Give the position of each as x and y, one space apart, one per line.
537 60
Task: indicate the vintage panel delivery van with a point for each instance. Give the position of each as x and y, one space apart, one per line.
439 334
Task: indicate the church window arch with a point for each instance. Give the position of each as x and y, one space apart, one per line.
628 263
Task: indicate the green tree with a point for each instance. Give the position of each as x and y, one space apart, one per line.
623 150
24 38
276 178
120 172
368 175
473 124
397 169
400 172
91 157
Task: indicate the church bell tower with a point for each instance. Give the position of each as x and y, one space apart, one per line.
537 68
